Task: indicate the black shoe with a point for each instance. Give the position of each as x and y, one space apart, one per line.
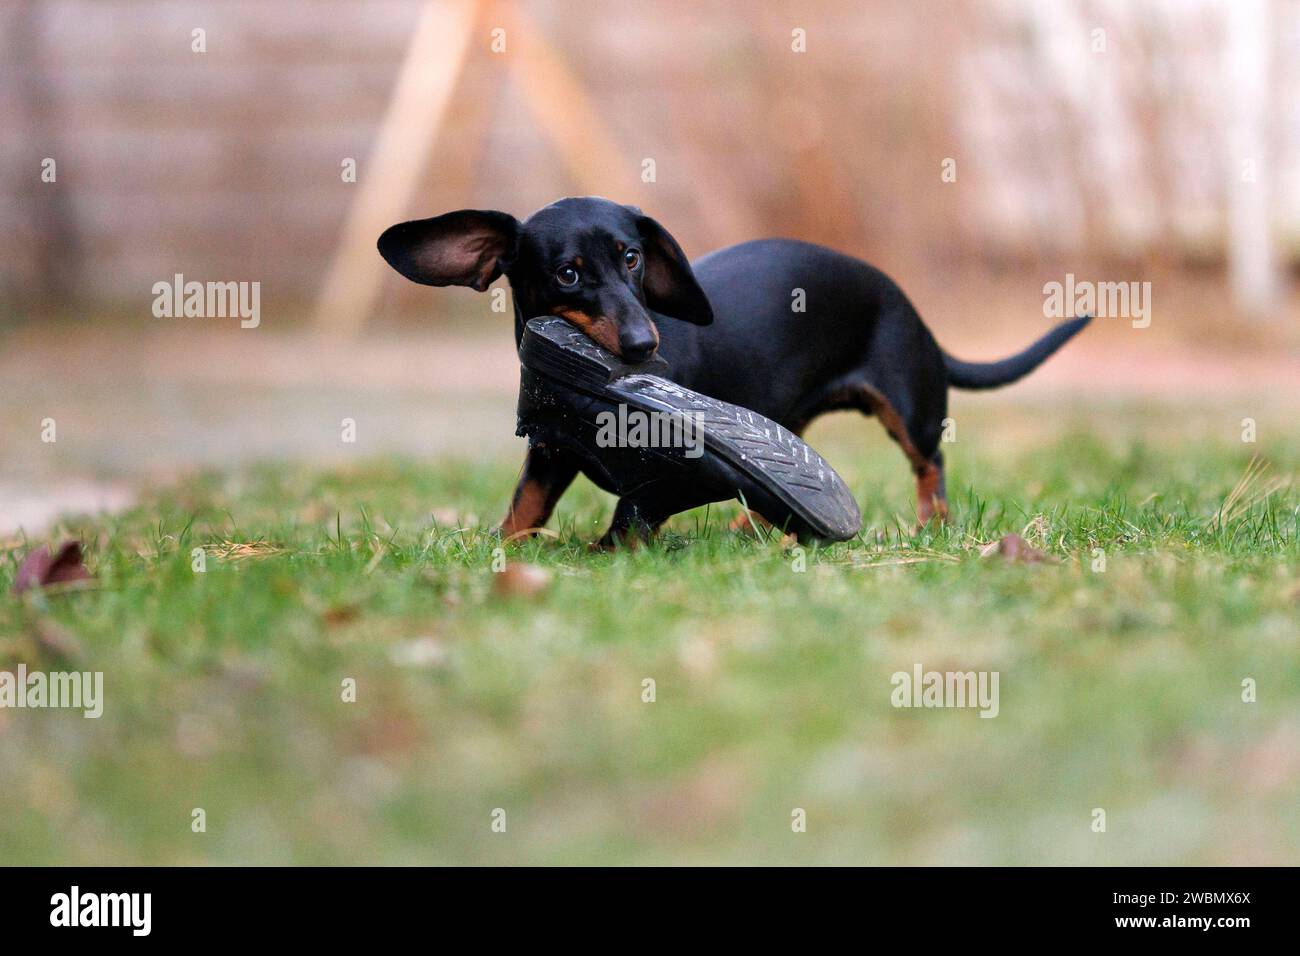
570 393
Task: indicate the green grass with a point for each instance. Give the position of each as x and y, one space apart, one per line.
1119 690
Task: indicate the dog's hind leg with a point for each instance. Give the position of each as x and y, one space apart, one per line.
918 439
748 520
931 494
915 434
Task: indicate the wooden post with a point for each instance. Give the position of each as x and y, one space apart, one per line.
1252 270
565 113
389 176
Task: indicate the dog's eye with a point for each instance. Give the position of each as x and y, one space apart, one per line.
633 258
566 275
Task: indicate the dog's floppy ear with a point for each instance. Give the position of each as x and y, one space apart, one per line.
669 284
469 247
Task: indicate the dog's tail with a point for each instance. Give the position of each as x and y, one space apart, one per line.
992 374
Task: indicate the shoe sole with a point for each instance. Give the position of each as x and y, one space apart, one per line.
788 473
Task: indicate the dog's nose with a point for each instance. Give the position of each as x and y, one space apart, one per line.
639 346
639 352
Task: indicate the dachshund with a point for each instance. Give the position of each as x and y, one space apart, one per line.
786 328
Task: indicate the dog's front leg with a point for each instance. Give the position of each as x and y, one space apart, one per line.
630 526
546 475
638 515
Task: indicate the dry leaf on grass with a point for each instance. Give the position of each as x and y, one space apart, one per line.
521 580
41 567
338 614
1016 549
240 550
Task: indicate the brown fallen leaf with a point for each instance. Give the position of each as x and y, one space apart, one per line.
338 614
240 550
521 580
1016 549
40 567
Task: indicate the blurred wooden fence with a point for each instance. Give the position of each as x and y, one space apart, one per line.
227 164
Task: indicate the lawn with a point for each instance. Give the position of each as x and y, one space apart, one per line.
1120 689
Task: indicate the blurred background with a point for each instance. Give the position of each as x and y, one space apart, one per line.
974 151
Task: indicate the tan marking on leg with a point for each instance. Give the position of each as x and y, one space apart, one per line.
597 328
747 520
929 500
926 482
929 476
528 508
893 422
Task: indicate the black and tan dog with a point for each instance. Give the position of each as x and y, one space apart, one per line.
731 329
